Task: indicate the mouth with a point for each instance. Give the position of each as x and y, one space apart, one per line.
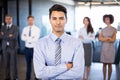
58 26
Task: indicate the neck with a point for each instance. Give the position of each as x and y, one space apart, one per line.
30 25
109 25
9 23
85 26
59 33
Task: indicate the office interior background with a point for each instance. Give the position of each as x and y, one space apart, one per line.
77 10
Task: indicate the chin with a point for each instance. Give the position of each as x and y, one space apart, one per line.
59 31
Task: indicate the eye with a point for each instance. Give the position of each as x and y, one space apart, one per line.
61 18
54 18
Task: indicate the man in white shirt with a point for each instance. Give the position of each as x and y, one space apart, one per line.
30 35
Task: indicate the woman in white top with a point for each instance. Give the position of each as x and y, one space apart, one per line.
86 34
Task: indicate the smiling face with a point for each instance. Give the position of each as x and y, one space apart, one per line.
58 21
86 22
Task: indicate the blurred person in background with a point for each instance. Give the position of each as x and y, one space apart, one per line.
9 36
86 35
108 37
30 35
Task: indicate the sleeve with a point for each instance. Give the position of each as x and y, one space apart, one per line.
4 35
115 30
35 37
1 30
23 37
79 33
32 38
78 65
89 37
42 71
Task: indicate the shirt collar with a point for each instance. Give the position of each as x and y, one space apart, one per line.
31 27
54 37
9 25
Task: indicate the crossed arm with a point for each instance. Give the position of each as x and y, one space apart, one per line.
64 70
32 38
13 35
108 39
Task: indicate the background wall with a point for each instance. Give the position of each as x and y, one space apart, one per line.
40 10
96 15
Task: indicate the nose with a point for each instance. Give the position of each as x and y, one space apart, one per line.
58 22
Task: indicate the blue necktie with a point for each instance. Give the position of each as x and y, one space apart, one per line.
58 51
29 31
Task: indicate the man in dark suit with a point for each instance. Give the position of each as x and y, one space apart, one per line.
9 36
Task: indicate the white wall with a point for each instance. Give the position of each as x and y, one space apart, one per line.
96 14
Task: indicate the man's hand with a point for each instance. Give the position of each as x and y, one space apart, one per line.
69 65
81 37
25 35
33 37
2 33
10 35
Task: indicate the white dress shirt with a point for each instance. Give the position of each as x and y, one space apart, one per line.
86 37
30 40
10 25
44 58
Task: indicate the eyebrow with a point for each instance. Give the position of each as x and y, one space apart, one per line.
58 17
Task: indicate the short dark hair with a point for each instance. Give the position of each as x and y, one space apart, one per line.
58 7
110 16
30 16
7 15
